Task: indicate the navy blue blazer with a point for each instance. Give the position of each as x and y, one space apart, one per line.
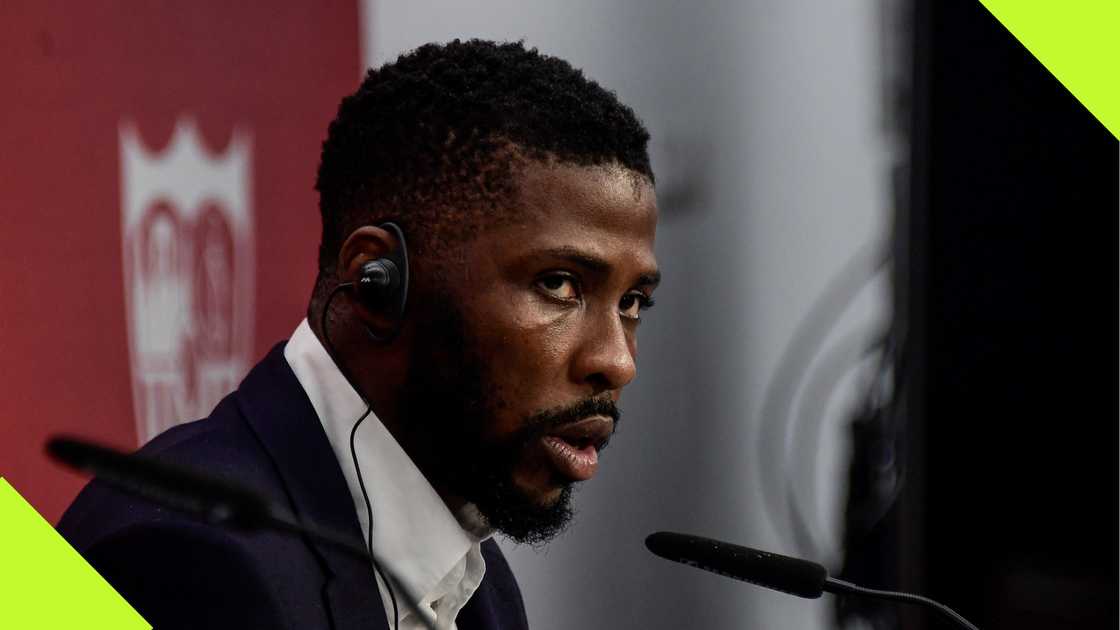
182 573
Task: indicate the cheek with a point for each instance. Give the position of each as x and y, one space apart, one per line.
524 347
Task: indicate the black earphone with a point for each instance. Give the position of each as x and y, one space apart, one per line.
384 282
381 283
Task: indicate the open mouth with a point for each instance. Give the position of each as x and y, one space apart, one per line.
573 449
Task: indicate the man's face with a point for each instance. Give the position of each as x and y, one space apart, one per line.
516 374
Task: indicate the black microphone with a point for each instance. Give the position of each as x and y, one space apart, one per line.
783 573
215 500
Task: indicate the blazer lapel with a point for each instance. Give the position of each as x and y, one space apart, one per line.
281 415
497 604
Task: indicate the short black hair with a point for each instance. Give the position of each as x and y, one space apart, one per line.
436 135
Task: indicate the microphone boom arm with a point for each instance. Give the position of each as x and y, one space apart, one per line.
840 587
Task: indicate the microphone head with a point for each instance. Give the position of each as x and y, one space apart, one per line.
782 573
73 453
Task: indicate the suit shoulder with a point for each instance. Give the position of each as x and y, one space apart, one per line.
223 431
220 445
181 575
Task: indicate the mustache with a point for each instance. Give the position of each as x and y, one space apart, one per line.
540 423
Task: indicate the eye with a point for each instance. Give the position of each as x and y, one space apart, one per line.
633 303
561 286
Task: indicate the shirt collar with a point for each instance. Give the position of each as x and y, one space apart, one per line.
414 532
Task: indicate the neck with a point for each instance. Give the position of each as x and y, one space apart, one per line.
382 393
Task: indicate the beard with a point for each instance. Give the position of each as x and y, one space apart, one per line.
450 400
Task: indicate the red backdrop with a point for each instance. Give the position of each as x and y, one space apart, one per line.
87 297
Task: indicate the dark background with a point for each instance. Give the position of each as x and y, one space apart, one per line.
1011 305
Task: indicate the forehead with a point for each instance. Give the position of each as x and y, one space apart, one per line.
594 206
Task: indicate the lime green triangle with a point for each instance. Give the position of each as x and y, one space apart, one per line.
1079 43
44 583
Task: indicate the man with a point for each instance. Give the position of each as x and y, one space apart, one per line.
487 248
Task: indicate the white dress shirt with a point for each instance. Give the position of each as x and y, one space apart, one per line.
414 533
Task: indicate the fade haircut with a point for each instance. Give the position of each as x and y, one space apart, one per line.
433 140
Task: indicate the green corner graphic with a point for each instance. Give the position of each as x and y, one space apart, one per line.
1078 41
44 583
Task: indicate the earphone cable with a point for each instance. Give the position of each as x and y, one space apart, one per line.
325 317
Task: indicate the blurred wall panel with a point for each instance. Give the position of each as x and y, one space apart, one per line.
159 219
772 170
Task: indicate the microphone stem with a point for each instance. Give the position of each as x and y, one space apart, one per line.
840 587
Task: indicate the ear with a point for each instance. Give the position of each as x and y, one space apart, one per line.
364 244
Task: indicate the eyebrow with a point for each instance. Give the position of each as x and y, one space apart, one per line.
597 265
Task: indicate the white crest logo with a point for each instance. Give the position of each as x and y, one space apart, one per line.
187 233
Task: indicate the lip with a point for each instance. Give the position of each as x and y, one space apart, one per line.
573 449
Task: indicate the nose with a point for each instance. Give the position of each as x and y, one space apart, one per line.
605 356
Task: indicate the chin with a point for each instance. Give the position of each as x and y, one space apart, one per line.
539 488
528 503
548 497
